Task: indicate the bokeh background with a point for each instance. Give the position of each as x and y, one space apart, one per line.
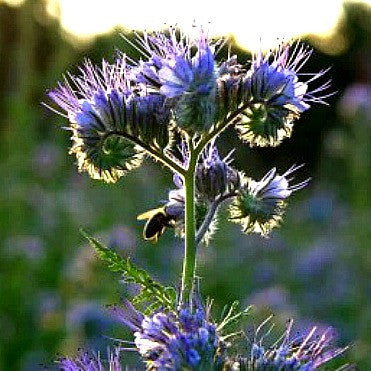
315 269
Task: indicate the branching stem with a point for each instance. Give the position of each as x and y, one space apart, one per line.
191 242
210 216
156 154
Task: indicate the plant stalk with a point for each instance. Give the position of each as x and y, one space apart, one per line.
189 260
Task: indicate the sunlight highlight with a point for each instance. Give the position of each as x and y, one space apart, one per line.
254 24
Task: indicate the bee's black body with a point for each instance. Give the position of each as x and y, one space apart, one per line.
157 221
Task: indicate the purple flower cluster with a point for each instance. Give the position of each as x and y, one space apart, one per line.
184 339
301 353
120 111
214 175
269 95
91 362
259 206
107 115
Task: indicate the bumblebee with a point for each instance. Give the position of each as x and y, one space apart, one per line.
157 221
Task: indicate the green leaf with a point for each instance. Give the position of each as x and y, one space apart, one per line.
151 292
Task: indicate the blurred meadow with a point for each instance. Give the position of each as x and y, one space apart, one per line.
316 268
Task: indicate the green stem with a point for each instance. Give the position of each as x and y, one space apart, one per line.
189 261
157 155
219 128
213 208
190 246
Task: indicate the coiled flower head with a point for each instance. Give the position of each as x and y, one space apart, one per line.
184 339
276 96
108 119
259 206
303 353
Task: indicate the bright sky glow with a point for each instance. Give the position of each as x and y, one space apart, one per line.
254 23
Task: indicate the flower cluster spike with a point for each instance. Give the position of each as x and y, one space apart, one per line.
269 95
111 122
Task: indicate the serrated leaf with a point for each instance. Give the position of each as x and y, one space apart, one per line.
151 291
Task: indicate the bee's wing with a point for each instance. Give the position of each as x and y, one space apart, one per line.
150 213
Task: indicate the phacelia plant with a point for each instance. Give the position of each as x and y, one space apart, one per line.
171 106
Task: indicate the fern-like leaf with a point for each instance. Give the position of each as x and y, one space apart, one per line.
151 292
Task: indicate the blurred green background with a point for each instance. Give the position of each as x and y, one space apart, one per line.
315 269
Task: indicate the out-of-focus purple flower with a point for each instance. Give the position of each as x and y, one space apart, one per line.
91 320
30 247
46 160
315 260
356 100
91 362
300 353
276 96
259 206
185 339
122 238
276 298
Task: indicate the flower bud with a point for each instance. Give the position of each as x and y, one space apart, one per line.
214 175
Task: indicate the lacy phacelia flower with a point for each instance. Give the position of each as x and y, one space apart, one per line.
214 175
109 120
183 70
274 95
178 340
91 362
259 206
305 353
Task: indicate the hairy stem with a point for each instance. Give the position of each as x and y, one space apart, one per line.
190 253
156 154
210 216
219 128
190 246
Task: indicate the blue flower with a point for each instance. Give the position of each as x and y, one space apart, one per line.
183 70
259 206
276 96
110 121
184 339
303 353
214 175
174 67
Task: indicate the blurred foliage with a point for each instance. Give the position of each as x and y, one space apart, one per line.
316 269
